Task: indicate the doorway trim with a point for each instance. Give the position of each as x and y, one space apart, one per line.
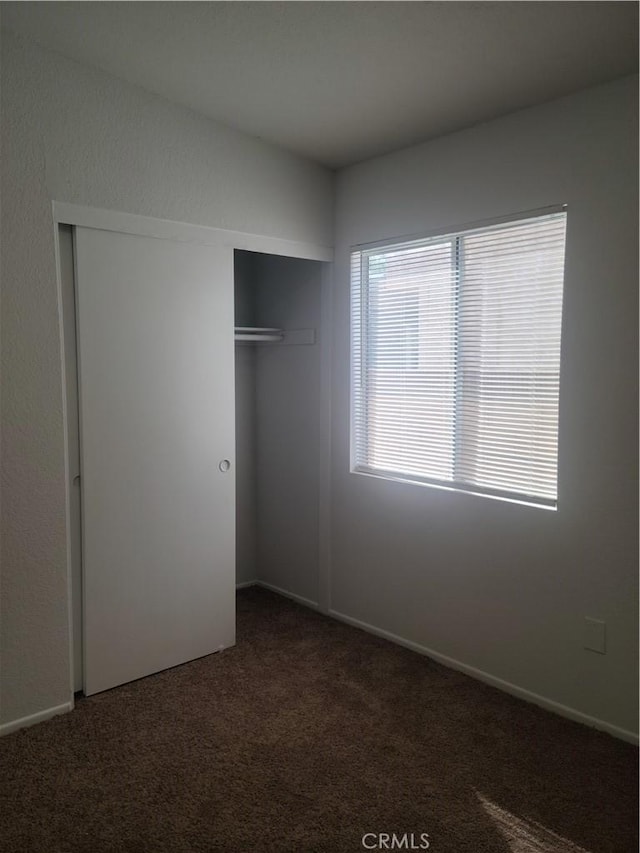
65 213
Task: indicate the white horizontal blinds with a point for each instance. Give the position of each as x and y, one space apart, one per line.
405 402
456 358
509 361
358 388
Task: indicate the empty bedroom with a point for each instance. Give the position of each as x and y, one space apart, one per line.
319 442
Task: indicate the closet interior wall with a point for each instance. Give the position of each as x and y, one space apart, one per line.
278 425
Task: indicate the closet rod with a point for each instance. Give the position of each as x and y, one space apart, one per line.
254 333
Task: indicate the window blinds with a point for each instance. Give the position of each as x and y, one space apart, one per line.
456 358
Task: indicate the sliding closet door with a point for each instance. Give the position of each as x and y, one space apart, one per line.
155 347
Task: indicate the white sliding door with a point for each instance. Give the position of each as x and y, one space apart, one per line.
155 352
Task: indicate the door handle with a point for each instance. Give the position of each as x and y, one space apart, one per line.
224 465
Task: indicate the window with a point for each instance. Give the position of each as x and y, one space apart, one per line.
456 358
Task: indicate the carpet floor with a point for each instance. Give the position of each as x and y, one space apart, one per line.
313 737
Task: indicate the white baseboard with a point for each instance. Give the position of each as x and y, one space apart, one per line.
245 584
506 686
32 719
304 601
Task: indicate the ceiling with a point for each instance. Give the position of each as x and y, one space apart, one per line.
339 82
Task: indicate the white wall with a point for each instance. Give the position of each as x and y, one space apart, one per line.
497 586
245 357
288 296
74 134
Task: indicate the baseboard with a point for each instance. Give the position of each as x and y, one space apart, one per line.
304 601
32 719
245 584
487 678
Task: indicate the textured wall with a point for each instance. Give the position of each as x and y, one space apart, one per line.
74 134
497 586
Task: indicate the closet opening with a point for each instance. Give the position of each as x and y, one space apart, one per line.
278 423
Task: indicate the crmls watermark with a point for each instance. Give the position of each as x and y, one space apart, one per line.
395 841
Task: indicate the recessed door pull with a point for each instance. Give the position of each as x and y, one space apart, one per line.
224 465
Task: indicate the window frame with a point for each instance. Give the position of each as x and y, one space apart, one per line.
454 235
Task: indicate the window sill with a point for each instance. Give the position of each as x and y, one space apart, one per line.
394 477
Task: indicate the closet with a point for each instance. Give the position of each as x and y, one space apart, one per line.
194 431
278 418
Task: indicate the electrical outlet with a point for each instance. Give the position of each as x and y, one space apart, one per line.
595 635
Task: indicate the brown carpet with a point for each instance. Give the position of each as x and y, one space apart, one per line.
304 737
